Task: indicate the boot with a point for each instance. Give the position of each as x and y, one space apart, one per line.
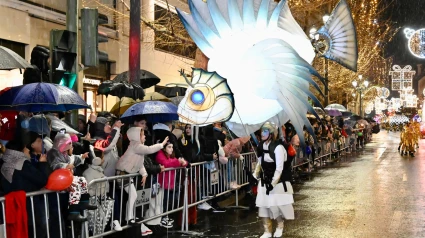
399 147
85 203
74 213
267 224
279 228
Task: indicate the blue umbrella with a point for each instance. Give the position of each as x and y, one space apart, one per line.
40 97
154 111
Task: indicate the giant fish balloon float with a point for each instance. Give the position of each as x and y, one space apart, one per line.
265 56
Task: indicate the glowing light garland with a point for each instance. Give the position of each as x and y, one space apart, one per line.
416 43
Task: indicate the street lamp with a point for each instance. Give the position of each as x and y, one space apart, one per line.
360 88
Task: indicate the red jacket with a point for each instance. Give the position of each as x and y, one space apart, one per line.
166 179
16 214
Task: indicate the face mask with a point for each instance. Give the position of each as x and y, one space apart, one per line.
265 133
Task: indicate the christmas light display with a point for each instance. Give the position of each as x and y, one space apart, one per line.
402 77
416 43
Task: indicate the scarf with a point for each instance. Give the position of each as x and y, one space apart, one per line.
13 159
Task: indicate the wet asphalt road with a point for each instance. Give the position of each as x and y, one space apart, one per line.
374 193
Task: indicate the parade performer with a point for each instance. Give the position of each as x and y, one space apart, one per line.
274 198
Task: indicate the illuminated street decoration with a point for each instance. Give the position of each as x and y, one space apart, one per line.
266 57
383 92
402 77
208 99
416 43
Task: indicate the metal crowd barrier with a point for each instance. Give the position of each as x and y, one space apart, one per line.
191 187
162 193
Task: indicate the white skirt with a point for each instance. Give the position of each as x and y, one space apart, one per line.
277 203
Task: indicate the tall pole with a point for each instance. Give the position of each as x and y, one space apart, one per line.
134 49
361 112
326 83
72 25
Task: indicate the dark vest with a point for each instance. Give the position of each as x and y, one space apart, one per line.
268 168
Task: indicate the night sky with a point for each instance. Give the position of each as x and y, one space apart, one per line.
404 13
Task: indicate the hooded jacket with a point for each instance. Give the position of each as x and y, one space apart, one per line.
58 158
95 171
132 160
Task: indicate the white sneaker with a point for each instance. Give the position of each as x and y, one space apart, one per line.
165 223
145 230
116 225
278 232
266 235
204 206
169 220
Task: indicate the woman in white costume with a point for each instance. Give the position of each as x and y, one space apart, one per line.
274 198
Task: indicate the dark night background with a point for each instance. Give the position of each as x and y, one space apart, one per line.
404 14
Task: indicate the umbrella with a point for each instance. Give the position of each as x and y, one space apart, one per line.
319 111
333 112
146 80
121 89
122 105
58 124
154 96
40 97
347 114
363 121
174 90
176 100
10 60
355 117
335 106
154 111
38 124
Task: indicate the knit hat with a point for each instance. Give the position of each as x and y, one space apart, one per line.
96 161
62 142
99 126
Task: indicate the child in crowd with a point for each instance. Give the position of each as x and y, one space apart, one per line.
95 171
132 162
167 158
61 157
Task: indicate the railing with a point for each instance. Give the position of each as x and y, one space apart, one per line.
179 190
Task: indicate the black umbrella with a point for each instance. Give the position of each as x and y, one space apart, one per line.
121 89
10 60
355 117
174 90
147 79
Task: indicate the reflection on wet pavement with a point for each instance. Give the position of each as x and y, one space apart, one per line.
375 193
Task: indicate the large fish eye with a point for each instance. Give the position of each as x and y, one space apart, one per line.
197 97
201 98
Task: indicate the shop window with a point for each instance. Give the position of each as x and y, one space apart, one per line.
170 45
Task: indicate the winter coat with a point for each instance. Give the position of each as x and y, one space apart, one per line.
25 176
58 160
190 151
132 160
161 131
96 172
167 180
110 151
